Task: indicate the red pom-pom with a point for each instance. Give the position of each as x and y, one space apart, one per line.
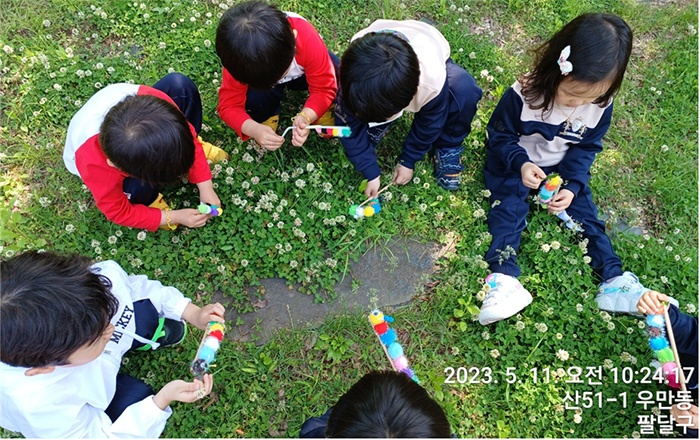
217 334
381 328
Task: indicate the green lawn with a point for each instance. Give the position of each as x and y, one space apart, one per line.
57 53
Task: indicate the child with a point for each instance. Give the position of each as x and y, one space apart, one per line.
265 51
383 404
396 66
685 332
65 326
553 120
128 139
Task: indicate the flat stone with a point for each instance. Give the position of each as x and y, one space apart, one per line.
387 275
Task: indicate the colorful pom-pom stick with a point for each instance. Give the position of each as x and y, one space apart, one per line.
206 353
387 339
361 211
206 208
325 130
547 192
658 327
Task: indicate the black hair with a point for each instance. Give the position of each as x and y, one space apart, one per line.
390 405
149 138
379 75
50 306
255 43
600 49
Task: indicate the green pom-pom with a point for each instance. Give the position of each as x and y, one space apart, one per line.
363 185
665 355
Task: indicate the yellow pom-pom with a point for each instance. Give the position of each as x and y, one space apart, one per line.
376 317
215 327
369 211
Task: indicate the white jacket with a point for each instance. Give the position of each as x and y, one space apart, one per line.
70 401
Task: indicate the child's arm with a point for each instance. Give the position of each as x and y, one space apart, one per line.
504 154
231 107
312 55
358 149
181 391
207 193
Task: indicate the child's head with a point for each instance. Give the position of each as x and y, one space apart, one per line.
599 49
256 43
387 404
148 138
379 75
50 307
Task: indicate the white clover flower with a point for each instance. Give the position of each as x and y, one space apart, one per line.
485 335
416 180
520 325
587 259
98 250
577 418
300 183
608 364
495 353
555 245
141 235
221 268
472 55
113 252
118 233
479 213
330 262
690 308
579 307
664 148
70 228
112 239
563 355
641 324
244 263
310 167
545 247
46 23
484 73
57 87
423 207
559 336
664 279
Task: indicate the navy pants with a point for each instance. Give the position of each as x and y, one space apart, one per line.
464 96
262 104
129 389
183 91
507 220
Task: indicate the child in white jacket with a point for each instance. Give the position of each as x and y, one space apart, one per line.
64 326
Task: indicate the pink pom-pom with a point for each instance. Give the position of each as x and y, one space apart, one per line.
401 363
670 373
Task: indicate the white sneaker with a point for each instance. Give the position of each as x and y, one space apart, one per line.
621 295
505 298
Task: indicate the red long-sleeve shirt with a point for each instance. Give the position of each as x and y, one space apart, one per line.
311 59
84 157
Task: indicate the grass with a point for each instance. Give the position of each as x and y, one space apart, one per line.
57 53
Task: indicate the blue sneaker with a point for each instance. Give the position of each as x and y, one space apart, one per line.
621 294
448 167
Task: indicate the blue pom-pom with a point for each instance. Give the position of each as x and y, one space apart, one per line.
658 343
389 337
655 321
388 318
395 350
207 354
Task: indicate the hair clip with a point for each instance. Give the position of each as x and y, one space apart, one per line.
564 65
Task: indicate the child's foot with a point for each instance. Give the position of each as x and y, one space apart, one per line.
159 203
620 294
273 122
448 167
213 153
505 298
168 333
327 118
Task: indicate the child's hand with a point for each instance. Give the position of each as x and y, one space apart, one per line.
300 133
200 317
181 391
188 217
267 138
532 175
650 303
372 188
402 175
688 418
562 201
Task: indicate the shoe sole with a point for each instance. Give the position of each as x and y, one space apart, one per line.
618 303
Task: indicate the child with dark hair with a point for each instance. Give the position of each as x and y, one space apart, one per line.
127 140
553 119
396 66
685 332
265 51
65 325
383 404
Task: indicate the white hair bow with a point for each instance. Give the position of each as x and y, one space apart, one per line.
564 65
